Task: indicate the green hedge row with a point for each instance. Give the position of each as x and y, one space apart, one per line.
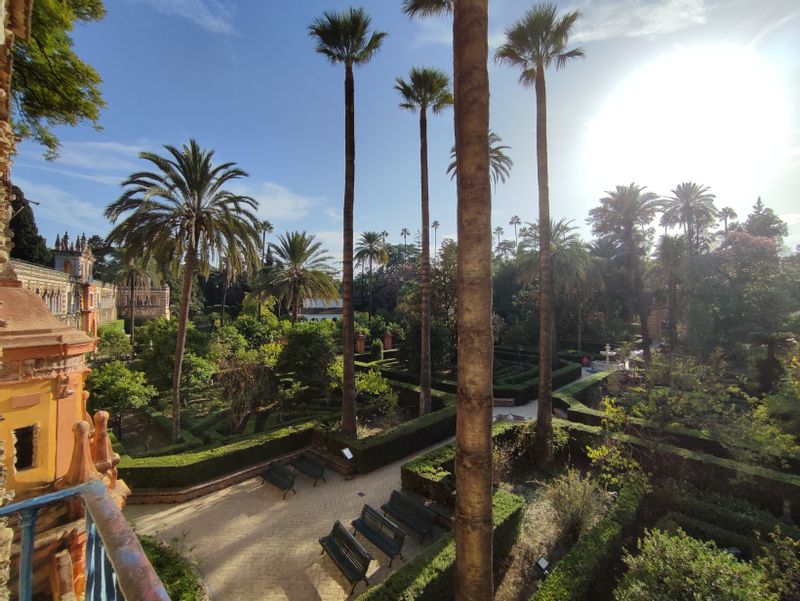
576 397
765 487
194 467
714 510
189 440
700 529
429 576
587 563
376 451
430 475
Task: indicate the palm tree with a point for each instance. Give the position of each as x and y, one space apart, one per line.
405 233
435 227
343 37
605 263
266 228
302 270
692 207
671 255
127 269
727 213
515 221
498 231
384 235
622 214
569 258
371 248
536 42
182 213
425 89
473 461
499 162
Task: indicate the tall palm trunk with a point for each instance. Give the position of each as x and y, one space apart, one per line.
425 268
348 334
672 312
473 462
133 313
224 295
634 265
180 343
371 289
544 416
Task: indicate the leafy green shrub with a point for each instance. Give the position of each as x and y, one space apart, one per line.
721 536
376 350
577 503
113 345
376 390
308 354
155 343
115 388
781 564
174 571
581 568
196 374
226 342
678 567
257 332
429 576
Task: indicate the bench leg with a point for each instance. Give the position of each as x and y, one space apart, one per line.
391 559
315 483
353 588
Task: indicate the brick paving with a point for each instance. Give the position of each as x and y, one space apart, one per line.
249 545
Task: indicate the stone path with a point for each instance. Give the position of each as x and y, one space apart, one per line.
250 545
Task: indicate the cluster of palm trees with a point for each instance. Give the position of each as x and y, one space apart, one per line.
181 214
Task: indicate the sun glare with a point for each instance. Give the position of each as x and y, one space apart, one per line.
716 115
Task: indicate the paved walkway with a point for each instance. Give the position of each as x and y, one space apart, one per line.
250 545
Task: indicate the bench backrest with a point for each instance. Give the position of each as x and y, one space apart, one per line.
351 548
408 505
282 471
380 524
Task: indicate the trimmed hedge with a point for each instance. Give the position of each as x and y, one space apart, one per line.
703 530
521 391
719 510
376 451
765 487
577 573
429 576
431 474
164 423
187 469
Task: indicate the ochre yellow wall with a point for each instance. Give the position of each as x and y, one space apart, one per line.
45 415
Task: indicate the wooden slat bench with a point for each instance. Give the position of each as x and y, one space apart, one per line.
310 467
279 476
380 532
420 519
347 553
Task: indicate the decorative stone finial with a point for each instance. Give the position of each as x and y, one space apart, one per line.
81 467
105 460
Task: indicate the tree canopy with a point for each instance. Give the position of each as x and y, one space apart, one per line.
51 85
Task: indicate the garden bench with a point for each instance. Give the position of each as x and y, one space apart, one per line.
380 532
420 519
279 476
347 553
309 467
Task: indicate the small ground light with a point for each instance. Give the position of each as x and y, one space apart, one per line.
544 566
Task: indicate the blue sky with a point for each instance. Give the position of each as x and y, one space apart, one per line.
670 90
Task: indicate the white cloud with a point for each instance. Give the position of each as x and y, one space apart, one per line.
64 209
434 30
637 18
103 162
211 15
277 202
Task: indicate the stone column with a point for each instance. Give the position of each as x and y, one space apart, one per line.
6 534
7 145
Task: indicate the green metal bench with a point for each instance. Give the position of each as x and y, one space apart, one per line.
420 519
310 467
280 477
381 532
347 553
